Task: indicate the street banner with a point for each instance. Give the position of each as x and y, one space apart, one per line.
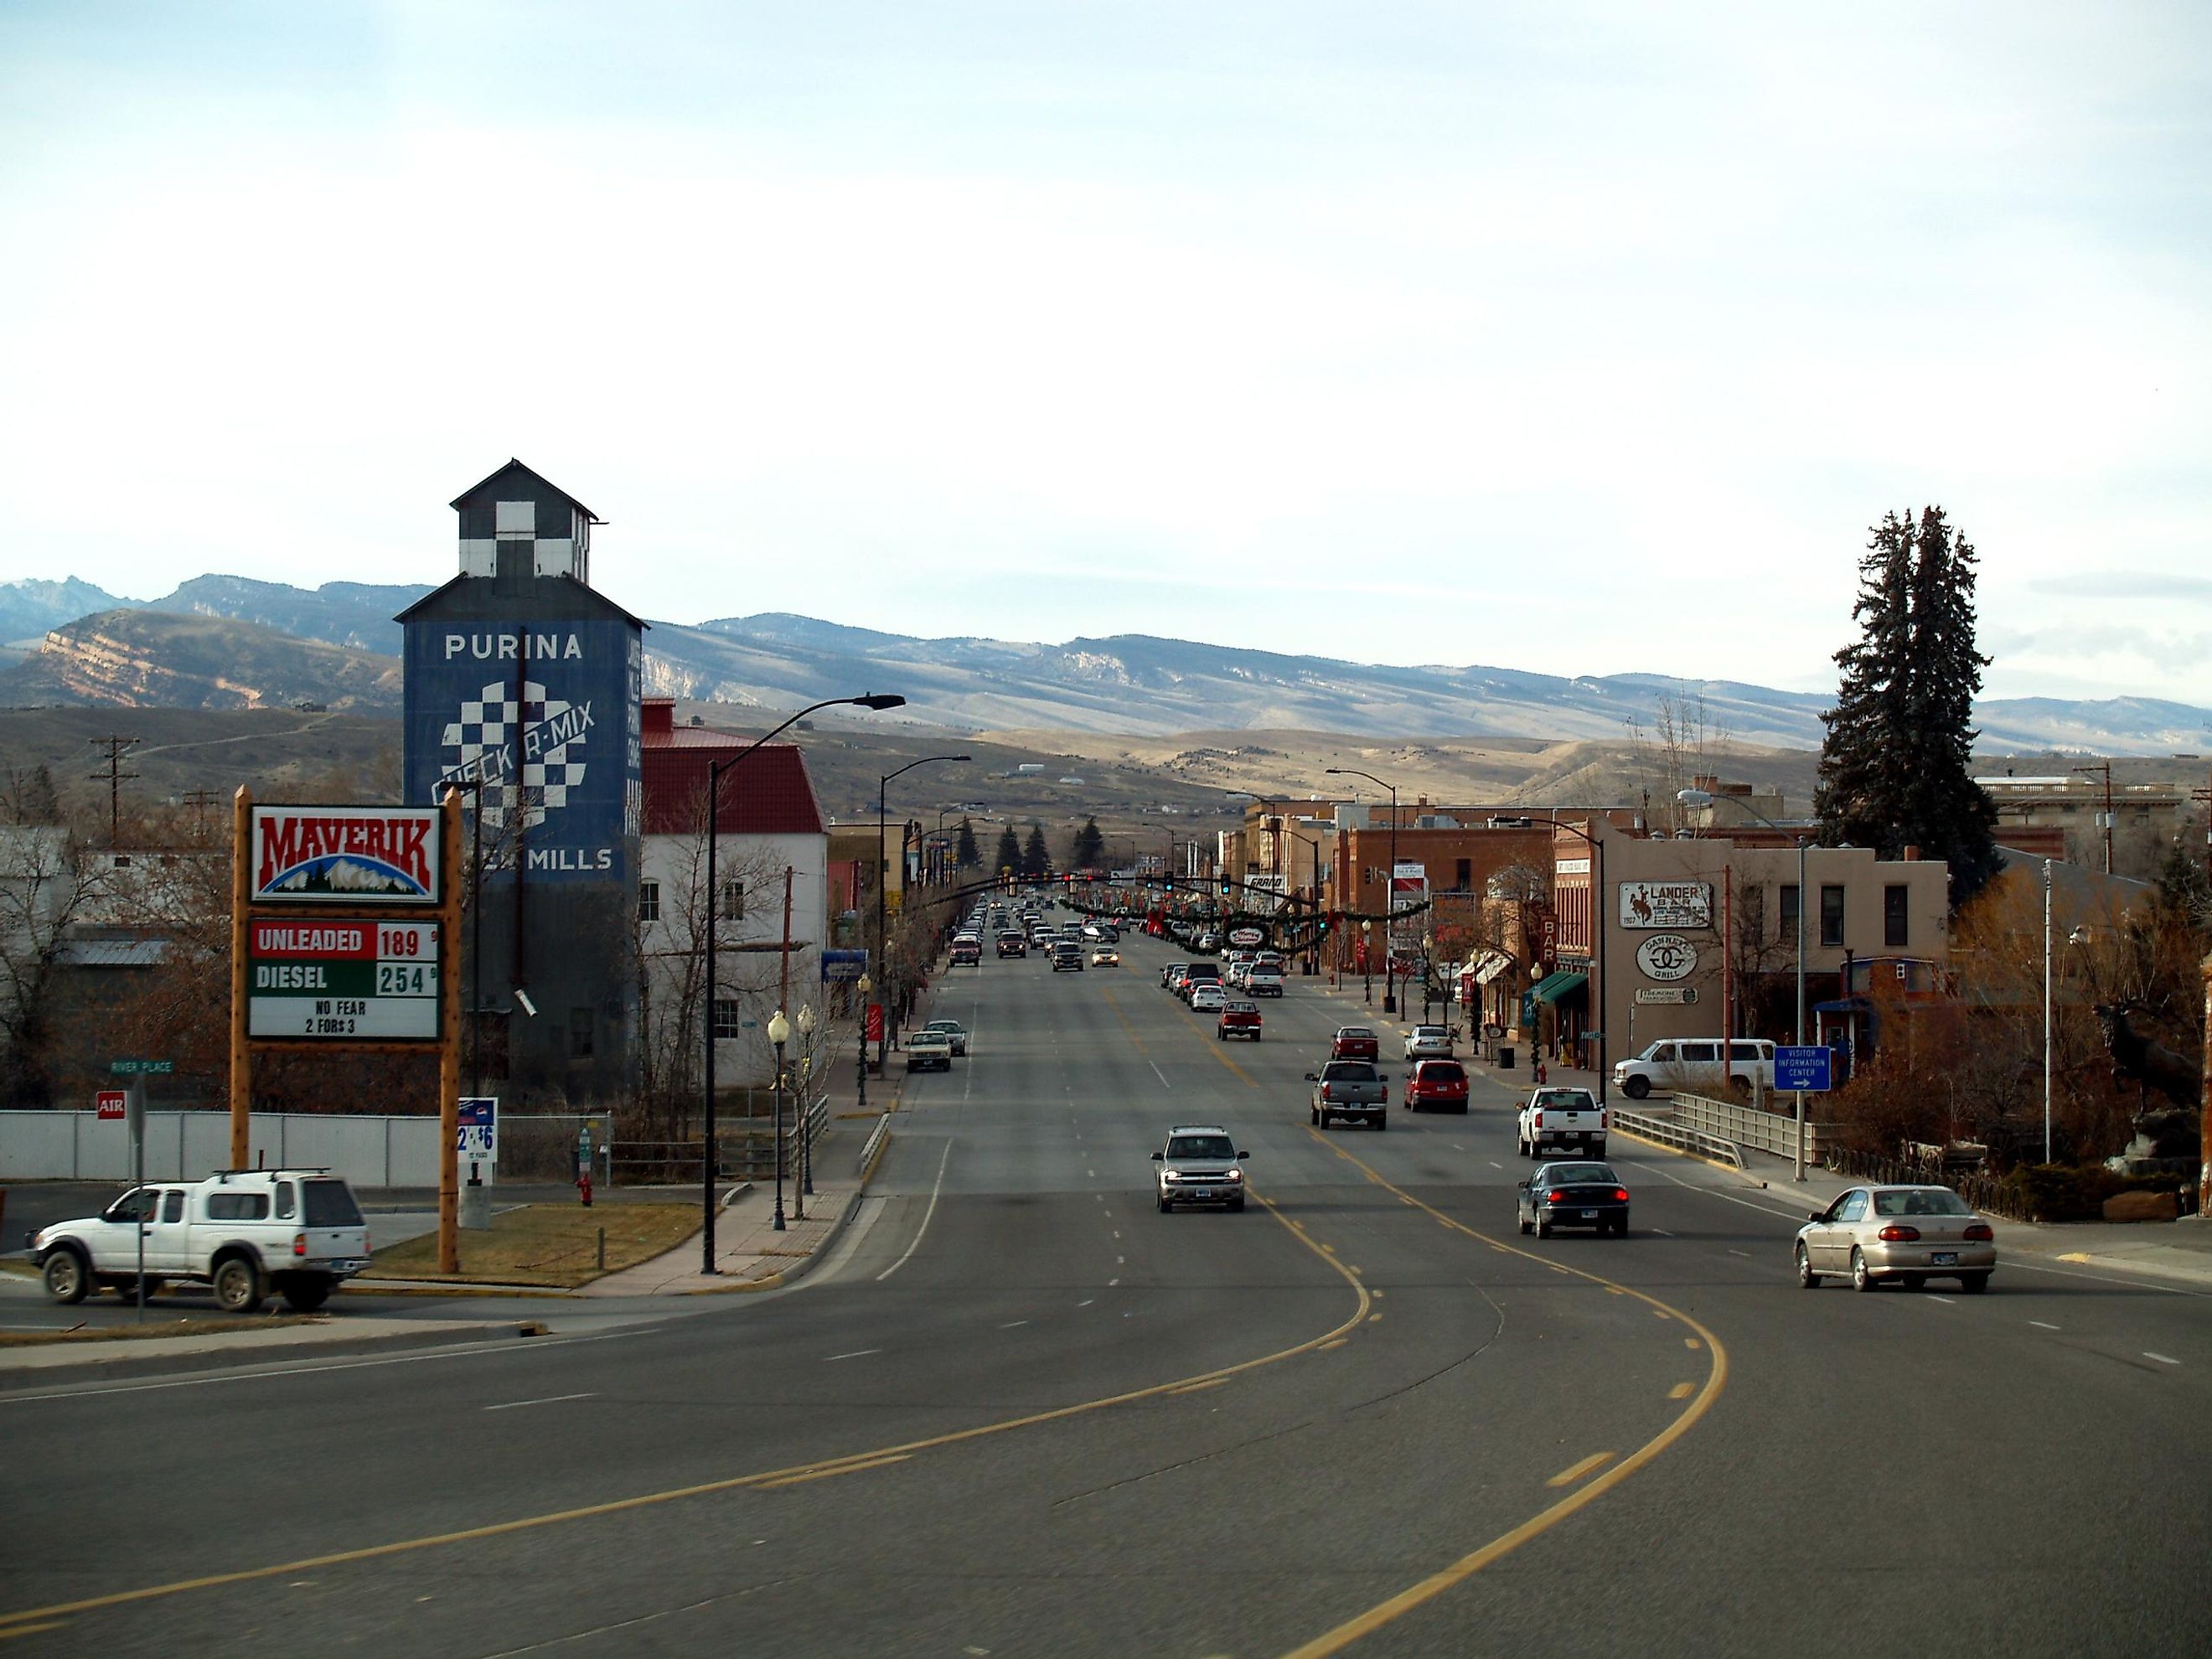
874 1027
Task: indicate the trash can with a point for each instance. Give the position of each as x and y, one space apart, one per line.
1504 1060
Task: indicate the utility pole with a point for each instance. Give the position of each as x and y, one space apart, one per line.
115 746
199 800
2105 767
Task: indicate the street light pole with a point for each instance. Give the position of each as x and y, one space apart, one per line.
805 1078
709 1164
883 880
861 987
1367 957
779 1031
1598 931
1389 891
2047 1004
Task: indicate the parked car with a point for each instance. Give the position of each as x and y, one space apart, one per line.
1907 1235
1436 1084
1572 1196
1427 1042
243 1233
928 1051
1694 1063
955 1033
1199 1166
1570 1118
1171 973
1238 1019
1355 1042
1351 1089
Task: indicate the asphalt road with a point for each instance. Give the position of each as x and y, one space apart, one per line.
1019 1412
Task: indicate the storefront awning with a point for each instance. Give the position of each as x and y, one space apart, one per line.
1488 966
1553 987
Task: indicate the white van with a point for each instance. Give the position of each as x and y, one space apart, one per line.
1694 1064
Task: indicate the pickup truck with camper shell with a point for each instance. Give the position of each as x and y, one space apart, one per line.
242 1233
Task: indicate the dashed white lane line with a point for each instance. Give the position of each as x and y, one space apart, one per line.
1111 1283
1746 1255
2039 1325
1496 1165
1945 1300
1012 1323
550 1400
1117 1234
1163 1077
857 1354
922 1231
1662 1232
2163 1359
1086 1302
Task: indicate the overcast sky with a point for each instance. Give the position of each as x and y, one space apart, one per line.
1586 338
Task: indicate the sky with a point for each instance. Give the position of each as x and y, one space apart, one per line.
1586 338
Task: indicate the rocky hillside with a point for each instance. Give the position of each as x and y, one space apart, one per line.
150 659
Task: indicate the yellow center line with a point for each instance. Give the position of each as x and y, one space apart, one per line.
1680 1391
30 1630
825 1473
1574 1472
1458 1573
1194 1388
11 1623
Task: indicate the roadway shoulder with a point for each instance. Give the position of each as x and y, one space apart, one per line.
77 1362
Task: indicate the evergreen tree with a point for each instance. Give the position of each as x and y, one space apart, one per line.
1037 857
1896 766
1007 861
966 855
1088 852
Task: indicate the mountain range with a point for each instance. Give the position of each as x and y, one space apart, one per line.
226 641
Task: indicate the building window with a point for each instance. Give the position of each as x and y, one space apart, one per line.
648 901
1832 915
726 1027
1463 876
1792 904
1893 913
581 1024
1753 928
733 901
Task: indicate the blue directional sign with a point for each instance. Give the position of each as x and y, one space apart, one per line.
843 967
1806 1070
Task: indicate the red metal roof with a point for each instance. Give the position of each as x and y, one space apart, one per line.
770 794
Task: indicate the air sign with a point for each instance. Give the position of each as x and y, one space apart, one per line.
350 981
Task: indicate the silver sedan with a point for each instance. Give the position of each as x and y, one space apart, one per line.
1907 1235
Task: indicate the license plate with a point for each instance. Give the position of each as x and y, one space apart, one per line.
1945 1258
1589 1215
348 1267
1202 1192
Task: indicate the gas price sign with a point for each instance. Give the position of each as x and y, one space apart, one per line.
351 981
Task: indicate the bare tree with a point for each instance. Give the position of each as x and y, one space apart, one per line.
1682 744
46 882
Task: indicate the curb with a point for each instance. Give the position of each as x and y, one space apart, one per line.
799 1270
13 1378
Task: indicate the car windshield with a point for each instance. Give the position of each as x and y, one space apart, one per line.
1355 1032
1579 1174
1202 1146
1921 1200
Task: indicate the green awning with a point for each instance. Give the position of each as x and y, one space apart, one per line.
1553 987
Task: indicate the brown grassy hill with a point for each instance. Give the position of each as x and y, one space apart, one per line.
151 659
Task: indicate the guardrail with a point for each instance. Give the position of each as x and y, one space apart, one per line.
1682 1136
876 1138
1747 1125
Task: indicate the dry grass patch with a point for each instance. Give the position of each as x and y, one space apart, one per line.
556 1246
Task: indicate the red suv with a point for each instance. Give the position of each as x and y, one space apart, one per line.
1440 1085
1355 1042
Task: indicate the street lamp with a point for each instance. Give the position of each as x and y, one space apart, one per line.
1367 957
1428 971
709 1164
1314 920
779 1031
1389 891
805 1076
882 872
1703 798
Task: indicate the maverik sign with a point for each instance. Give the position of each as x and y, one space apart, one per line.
545 716
345 855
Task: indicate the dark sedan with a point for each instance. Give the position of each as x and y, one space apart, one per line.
1572 1196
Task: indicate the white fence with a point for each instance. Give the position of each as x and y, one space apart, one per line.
368 1152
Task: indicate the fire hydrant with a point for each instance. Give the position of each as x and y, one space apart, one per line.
1540 1077
584 1186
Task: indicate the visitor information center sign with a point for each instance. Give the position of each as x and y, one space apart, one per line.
367 981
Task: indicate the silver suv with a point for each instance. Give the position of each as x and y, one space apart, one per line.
1199 1166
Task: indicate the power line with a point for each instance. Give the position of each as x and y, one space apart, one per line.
115 745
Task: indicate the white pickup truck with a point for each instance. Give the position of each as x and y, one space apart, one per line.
245 1232
1570 1118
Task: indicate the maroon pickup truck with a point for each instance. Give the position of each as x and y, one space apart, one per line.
1238 1019
1355 1042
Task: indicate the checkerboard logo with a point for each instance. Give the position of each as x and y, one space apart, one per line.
550 735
